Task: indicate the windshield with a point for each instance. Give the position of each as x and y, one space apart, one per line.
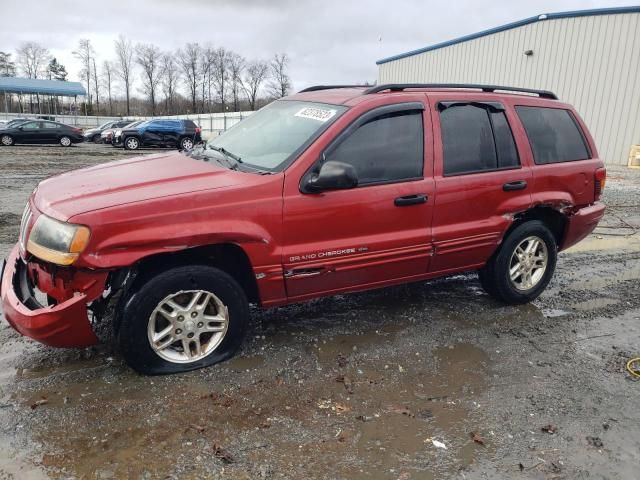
271 138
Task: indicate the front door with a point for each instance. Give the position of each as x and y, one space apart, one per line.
30 132
374 234
481 181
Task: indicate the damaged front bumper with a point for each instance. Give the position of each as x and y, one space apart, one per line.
65 324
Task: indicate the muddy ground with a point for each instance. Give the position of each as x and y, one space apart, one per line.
371 385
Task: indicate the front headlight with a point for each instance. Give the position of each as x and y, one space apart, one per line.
57 242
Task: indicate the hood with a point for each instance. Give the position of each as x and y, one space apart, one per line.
128 181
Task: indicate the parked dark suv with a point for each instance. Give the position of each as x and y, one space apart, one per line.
183 134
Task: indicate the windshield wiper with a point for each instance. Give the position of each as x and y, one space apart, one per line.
227 154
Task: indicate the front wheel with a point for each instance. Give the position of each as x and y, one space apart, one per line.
522 268
183 319
96 138
65 141
131 143
6 140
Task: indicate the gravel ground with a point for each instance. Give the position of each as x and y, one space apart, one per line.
370 385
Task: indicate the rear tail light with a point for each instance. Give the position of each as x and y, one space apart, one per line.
600 178
198 130
77 130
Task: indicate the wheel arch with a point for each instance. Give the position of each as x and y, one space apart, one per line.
554 220
228 257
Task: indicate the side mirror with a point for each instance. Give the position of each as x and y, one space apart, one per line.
332 176
20 128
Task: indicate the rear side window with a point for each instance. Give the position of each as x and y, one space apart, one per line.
388 148
553 134
476 138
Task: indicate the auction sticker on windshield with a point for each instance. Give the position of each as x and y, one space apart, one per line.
314 113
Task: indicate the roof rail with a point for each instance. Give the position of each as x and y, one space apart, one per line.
395 87
315 88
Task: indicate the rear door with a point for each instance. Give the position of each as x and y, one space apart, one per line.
374 234
50 132
481 180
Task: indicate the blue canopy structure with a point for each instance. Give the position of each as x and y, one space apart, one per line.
36 86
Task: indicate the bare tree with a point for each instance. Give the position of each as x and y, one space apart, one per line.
107 78
84 53
220 73
207 61
32 59
188 61
124 65
149 58
236 66
95 85
280 82
254 75
170 75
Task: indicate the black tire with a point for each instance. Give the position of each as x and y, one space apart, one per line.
6 140
96 138
139 305
65 141
186 143
131 143
495 278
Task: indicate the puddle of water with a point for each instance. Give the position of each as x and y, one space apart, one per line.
594 304
245 362
554 312
605 279
130 426
604 242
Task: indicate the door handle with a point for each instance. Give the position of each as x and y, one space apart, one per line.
410 200
518 185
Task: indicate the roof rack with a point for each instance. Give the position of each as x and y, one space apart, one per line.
315 88
396 87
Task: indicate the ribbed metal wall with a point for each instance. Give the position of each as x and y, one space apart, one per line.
592 62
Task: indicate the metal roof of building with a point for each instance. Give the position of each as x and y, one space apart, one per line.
38 86
509 26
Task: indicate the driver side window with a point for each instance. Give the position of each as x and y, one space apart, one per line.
31 126
388 148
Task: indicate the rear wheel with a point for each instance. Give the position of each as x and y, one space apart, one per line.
183 319
65 141
522 268
131 143
6 140
96 138
186 143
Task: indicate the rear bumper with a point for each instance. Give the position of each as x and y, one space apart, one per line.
63 325
582 223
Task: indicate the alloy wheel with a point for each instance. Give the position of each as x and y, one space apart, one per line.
187 326
65 141
132 143
528 263
6 140
187 144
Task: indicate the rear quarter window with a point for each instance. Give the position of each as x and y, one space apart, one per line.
553 134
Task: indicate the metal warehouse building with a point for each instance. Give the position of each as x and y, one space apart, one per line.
589 58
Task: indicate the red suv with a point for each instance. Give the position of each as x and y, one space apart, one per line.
331 190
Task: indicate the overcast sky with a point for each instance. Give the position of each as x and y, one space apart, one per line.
328 41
